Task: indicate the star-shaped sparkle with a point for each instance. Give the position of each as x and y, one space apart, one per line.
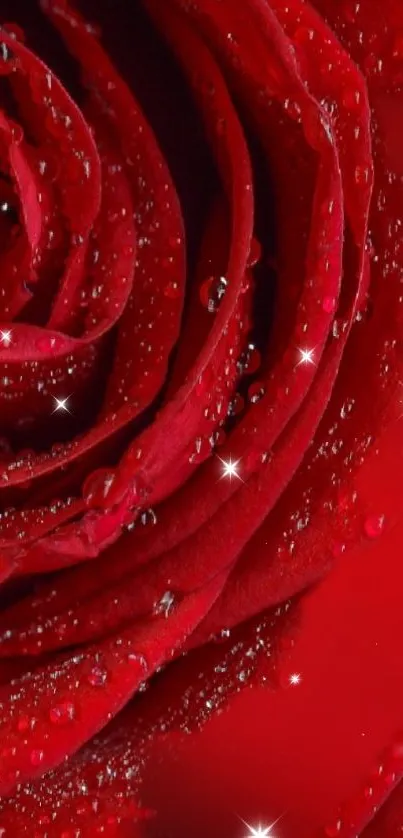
260 831
295 678
5 336
306 356
230 469
61 405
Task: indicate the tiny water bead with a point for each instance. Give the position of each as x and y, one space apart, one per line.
212 292
337 549
358 811
361 175
6 208
103 490
50 343
62 714
202 450
24 723
148 518
255 253
36 757
17 133
256 392
329 305
97 677
14 31
172 290
137 660
218 438
250 360
351 98
7 59
374 526
236 405
49 168
334 829
97 487
165 605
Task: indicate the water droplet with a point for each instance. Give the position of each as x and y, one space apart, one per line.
212 293
49 166
5 207
255 253
148 517
136 660
256 392
17 132
351 98
247 282
202 450
50 343
329 305
361 175
6 57
62 714
338 548
223 635
250 360
36 757
218 438
172 290
374 526
303 34
165 605
236 405
97 487
97 677
334 830
175 242
14 30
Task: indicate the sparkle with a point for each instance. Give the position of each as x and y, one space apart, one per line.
295 678
61 405
5 337
230 469
306 356
260 831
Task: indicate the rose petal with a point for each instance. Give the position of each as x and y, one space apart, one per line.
96 685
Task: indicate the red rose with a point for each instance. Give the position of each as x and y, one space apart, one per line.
200 353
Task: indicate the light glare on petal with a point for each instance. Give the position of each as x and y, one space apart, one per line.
61 405
230 468
306 356
260 831
5 337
